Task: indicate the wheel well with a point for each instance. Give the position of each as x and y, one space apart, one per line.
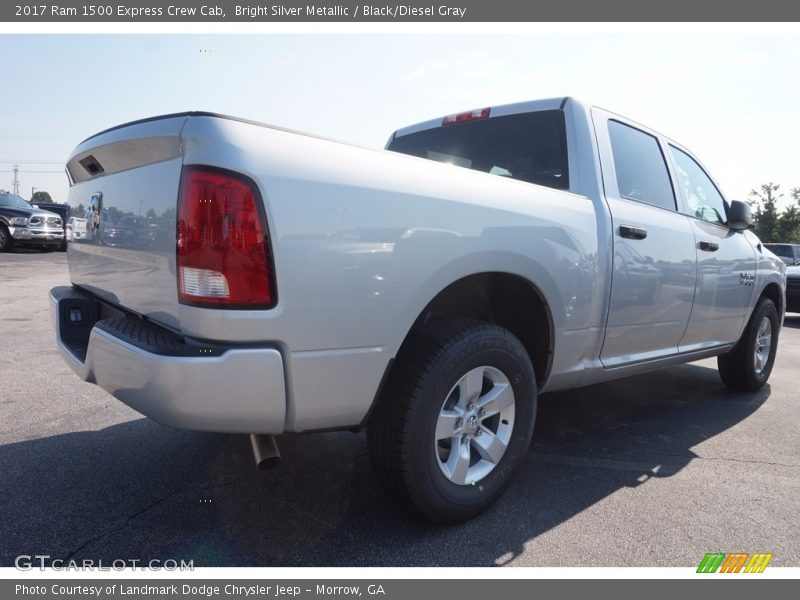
507 300
773 292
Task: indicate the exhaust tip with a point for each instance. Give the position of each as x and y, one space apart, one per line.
265 451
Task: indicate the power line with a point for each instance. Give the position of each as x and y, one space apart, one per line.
18 171
32 162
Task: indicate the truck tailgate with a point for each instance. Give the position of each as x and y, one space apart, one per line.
125 182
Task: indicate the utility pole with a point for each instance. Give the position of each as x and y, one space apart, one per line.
16 179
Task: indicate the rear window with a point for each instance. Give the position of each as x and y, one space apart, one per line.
530 147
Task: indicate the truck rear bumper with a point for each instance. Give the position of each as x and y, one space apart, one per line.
182 384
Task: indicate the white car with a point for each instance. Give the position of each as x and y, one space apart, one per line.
76 229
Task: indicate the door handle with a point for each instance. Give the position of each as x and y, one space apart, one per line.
709 246
632 233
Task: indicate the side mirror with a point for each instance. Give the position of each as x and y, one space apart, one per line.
739 217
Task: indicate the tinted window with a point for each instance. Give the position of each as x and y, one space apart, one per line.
703 200
530 147
780 250
641 171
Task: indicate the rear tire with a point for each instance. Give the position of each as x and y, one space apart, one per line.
747 367
455 419
6 241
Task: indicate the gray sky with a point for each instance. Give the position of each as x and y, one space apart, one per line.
731 98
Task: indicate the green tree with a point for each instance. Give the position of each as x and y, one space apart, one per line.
765 214
789 224
41 196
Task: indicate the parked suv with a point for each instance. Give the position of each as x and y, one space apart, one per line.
23 225
788 253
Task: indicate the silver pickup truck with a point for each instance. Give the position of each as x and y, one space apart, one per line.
239 277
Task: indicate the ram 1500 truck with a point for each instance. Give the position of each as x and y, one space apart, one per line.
428 292
24 225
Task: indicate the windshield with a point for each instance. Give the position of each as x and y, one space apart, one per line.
12 201
530 146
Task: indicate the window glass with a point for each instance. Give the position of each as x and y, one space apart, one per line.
783 250
641 170
530 146
10 200
703 200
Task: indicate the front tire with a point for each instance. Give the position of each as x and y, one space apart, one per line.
455 419
747 367
6 241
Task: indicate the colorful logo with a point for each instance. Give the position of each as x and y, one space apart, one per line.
735 562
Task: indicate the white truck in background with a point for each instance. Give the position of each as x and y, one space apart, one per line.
269 281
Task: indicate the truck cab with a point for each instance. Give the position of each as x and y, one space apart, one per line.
678 270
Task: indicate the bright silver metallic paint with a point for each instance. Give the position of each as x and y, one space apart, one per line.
363 240
224 393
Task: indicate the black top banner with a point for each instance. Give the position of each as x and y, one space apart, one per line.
409 11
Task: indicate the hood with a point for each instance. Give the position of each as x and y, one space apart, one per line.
26 212
44 213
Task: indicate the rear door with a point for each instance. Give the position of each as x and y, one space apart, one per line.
726 261
654 264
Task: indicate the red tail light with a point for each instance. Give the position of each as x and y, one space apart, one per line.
470 115
222 249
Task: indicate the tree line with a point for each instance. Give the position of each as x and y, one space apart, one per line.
770 223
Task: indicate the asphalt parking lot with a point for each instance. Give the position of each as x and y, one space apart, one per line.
651 471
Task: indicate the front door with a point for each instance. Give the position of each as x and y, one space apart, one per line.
726 261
